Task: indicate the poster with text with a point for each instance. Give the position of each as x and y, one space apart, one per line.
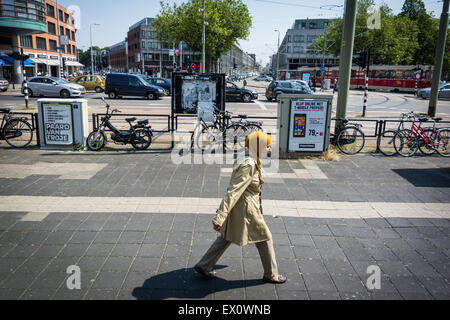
308 123
58 124
198 94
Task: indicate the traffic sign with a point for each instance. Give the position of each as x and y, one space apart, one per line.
322 69
418 75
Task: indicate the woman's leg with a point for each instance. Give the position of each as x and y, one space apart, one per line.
213 254
267 255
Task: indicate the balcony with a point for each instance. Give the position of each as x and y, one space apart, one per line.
22 16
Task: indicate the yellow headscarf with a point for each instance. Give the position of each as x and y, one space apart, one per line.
255 142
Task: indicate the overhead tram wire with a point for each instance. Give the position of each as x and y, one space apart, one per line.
296 5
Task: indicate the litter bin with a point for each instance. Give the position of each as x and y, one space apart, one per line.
62 123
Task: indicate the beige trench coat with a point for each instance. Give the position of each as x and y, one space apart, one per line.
239 213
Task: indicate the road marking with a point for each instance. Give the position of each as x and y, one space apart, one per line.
78 171
39 207
261 105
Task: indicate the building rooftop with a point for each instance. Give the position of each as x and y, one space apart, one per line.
145 21
301 24
117 46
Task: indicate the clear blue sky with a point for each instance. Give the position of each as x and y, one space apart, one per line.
115 17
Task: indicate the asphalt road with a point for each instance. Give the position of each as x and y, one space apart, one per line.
380 104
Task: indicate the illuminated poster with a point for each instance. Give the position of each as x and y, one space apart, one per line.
58 124
308 125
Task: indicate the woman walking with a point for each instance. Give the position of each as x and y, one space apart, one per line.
239 217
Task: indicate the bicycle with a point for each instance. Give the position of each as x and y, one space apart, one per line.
252 126
429 140
220 133
350 139
17 132
385 141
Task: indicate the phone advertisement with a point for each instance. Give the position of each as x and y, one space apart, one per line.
308 125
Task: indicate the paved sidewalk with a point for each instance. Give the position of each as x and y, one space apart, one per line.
136 224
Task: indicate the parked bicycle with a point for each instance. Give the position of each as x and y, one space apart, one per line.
17 132
140 135
428 140
252 126
349 139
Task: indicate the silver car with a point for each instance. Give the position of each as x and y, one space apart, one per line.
444 92
53 87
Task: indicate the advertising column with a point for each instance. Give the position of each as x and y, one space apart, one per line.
58 129
308 125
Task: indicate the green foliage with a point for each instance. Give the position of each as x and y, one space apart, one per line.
407 38
78 147
227 21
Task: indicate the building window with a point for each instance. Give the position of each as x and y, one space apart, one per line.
68 48
41 43
7 7
299 38
61 31
143 44
311 38
66 18
298 49
68 34
143 33
73 35
288 49
74 50
312 25
26 41
52 45
51 28
60 15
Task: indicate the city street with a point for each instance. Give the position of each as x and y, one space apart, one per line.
380 104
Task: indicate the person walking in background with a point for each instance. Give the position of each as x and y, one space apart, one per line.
245 83
239 217
335 89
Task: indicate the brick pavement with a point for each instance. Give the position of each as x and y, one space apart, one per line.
138 224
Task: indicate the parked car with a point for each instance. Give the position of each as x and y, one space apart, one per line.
90 82
166 84
53 87
235 92
4 84
123 84
285 86
263 78
444 92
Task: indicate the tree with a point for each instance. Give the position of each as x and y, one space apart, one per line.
396 42
227 21
427 30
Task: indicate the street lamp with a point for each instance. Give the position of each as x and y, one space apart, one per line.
92 59
278 54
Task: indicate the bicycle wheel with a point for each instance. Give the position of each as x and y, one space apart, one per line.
427 148
406 143
18 133
142 139
235 137
253 128
385 143
96 140
443 142
208 137
351 140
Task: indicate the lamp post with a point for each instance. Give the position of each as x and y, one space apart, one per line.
203 38
278 54
92 55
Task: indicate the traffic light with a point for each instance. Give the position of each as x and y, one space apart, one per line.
105 62
361 59
18 56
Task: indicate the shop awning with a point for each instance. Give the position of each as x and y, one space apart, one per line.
74 64
49 62
8 61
